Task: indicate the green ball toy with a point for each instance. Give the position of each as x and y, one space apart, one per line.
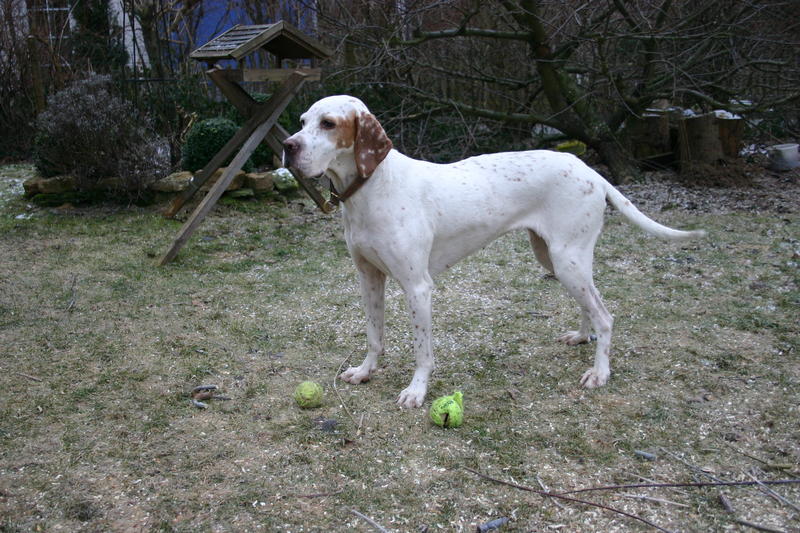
308 395
448 411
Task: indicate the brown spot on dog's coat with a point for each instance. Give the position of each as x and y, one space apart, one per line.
346 131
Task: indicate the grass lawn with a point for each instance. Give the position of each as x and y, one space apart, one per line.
99 349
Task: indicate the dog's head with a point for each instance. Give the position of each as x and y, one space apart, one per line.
337 132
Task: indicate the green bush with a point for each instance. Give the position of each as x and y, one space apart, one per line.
205 139
262 156
91 134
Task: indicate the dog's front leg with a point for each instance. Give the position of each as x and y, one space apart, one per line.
418 298
372 282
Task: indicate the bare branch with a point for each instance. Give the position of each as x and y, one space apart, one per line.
421 37
738 108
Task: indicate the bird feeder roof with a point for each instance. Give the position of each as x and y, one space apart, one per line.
280 38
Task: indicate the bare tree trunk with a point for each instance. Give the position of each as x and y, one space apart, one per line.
577 116
621 166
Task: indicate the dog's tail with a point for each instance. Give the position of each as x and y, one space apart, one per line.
649 225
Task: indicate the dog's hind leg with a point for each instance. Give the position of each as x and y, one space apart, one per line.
573 338
573 268
542 254
540 250
372 283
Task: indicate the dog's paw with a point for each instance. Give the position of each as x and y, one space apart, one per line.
411 398
357 374
572 338
593 378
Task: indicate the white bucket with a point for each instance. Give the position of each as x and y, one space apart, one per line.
783 156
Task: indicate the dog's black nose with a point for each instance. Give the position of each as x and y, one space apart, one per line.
290 149
291 146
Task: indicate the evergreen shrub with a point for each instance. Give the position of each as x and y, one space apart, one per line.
205 139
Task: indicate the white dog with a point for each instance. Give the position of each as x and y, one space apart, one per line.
411 220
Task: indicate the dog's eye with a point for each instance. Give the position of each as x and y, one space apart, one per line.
302 123
327 124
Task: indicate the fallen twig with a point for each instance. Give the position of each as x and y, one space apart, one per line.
205 392
198 404
567 498
547 489
723 499
341 400
688 484
759 527
72 294
788 467
648 480
28 376
314 494
719 482
773 494
656 500
360 423
370 521
726 503
696 469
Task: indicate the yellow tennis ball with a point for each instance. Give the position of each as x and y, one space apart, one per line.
448 411
308 394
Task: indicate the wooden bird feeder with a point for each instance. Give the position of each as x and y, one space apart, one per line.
283 41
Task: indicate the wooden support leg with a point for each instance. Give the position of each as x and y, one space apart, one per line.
214 194
245 104
276 104
216 162
240 99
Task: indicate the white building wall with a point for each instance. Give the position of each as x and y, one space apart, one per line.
132 37
13 28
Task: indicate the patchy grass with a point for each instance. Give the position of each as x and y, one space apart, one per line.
100 349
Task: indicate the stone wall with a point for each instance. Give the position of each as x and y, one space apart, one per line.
243 185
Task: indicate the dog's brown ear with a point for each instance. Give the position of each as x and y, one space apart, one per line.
371 144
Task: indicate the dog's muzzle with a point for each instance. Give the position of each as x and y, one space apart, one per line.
291 148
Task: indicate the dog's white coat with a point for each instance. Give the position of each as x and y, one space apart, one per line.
413 219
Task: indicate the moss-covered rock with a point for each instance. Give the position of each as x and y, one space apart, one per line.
284 181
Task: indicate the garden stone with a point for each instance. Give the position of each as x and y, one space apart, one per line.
175 182
31 186
56 185
259 182
236 182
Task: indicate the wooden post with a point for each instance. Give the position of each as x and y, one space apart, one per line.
273 106
731 131
699 141
244 103
265 119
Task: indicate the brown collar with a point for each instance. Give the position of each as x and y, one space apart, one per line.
328 206
337 197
